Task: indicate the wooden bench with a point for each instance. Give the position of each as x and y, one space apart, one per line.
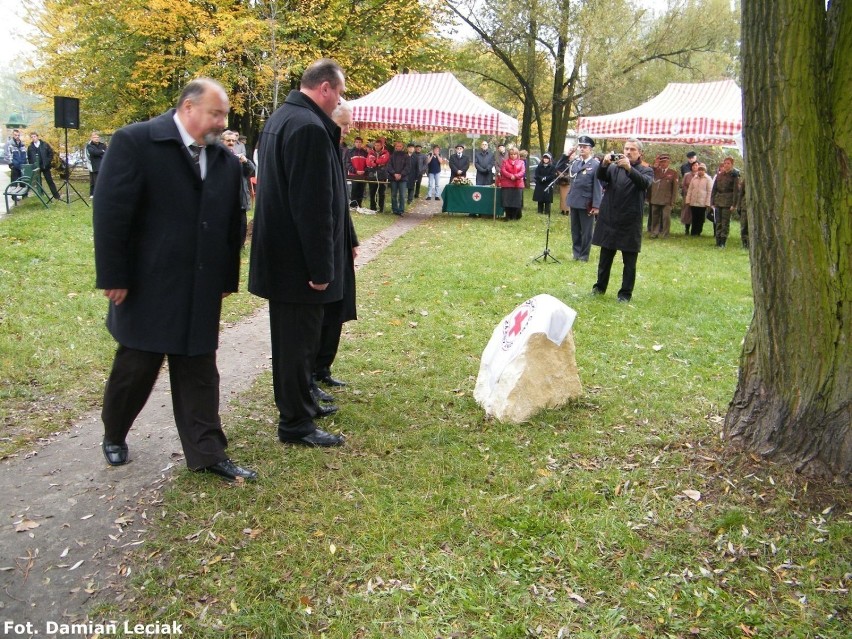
29 182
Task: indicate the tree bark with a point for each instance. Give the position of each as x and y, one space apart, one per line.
793 401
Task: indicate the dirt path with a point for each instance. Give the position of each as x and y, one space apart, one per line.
68 518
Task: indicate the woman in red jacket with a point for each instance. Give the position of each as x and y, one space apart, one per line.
512 173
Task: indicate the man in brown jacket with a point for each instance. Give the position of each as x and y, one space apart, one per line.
663 193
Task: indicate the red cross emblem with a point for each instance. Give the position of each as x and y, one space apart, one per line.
476 196
519 318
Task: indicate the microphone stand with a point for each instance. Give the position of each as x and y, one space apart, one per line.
545 255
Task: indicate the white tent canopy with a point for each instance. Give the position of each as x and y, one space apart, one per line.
704 113
429 102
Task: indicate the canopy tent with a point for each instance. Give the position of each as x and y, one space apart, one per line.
429 102
705 113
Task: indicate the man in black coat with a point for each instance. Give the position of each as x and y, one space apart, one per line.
459 163
299 258
619 226
167 250
95 150
40 153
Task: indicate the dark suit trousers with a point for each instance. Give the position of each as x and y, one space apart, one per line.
195 400
329 343
582 226
296 331
628 277
45 173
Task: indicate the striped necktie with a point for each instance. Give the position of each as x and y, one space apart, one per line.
195 152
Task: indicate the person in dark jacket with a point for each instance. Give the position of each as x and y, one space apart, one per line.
337 313
16 156
398 167
167 250
300 241
619 226
413 172
459 163
483 160
95 150
40 153
422 165
545 173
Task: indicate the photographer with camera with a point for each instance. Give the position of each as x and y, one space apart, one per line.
619 225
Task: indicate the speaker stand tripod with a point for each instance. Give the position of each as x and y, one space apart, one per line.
66 177
545 255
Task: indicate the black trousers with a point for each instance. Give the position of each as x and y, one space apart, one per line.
329 343
357 192
93 178
296 331
376 187
45 173
628 277
582 227
698 217
195 400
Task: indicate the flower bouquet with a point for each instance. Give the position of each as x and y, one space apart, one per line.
462 181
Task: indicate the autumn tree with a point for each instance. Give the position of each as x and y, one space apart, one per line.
593 54
793 400
127 59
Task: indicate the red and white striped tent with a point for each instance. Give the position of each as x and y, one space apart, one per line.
705 113
429 102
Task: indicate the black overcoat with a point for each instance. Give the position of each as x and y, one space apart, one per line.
168 237
619 223
544 176
300 229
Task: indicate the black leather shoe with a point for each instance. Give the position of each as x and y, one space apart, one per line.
318 438
623 299
115 454
328 380
320 395
230 471
325 410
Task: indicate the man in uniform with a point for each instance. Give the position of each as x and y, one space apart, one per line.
584 198
724 198
662 196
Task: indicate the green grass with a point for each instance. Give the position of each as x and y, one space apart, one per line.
436 522
55 352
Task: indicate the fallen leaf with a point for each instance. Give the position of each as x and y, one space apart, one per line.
332 548
694 495
25 525
77 565
657 347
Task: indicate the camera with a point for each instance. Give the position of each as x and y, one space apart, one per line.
615 157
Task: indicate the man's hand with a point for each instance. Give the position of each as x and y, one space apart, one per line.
115 295
623 163
593 212
318 287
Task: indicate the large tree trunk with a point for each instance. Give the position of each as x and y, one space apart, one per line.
793 401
